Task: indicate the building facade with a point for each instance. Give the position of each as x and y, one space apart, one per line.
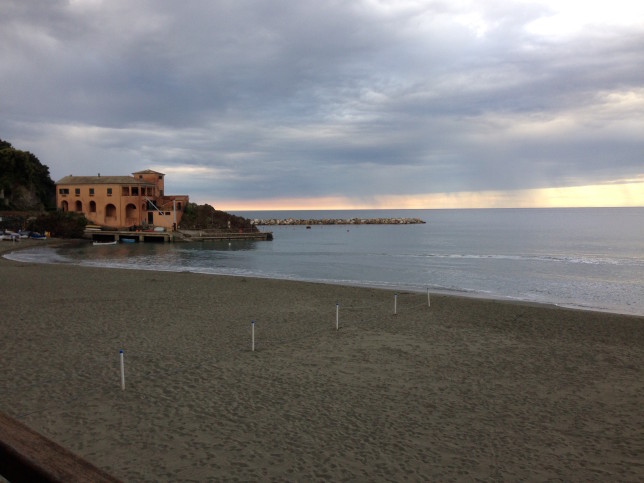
122 201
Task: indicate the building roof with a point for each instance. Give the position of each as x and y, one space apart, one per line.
101 180
148 171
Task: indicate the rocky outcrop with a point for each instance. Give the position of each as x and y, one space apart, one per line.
339 221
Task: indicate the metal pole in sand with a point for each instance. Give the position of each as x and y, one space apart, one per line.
122 371
252 335
337 315
428 303
395 304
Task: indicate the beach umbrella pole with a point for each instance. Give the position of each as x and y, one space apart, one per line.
122 371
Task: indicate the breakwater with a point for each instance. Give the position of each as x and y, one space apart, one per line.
339 221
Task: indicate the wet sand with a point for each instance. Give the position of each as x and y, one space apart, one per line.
465 389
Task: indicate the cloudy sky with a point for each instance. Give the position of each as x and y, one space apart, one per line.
267 104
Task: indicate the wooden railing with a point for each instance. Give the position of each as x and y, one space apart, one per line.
28 456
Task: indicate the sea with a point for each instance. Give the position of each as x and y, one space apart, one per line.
587 258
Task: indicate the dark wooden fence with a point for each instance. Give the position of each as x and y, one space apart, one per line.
28 456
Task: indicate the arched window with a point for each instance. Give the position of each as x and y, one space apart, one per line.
130 210
130 214
92 206
79 206
64 205
110 211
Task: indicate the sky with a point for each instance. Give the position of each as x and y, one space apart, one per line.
329 104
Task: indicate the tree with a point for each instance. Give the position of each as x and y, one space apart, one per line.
24 181
203 217
61 224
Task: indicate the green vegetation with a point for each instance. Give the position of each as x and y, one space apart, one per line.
25 183
205 217
26 191
61 224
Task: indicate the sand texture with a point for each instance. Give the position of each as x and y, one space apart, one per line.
465 389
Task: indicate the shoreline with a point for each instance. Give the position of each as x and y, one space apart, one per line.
54 243
465 389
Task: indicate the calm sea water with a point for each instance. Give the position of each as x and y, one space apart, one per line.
584 258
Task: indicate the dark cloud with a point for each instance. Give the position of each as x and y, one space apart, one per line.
295 99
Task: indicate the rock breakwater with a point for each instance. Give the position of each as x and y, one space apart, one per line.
339 221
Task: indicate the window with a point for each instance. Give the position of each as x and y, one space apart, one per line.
91 191
63 191
79 206
109 191
179 206
92 206
130 212
125 191
77 191
135 191
110 211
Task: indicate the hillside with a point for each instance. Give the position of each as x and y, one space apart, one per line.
25 183
205 217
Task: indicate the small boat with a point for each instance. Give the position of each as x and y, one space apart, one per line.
9 235
100 243
37 236
128 240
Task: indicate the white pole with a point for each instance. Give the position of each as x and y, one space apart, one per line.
337 315
395 304
122 372
252 337
428 303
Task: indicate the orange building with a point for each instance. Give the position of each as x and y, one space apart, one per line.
121 201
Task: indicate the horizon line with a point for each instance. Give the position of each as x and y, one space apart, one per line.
610 195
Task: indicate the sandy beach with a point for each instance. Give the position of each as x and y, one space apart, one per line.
465 389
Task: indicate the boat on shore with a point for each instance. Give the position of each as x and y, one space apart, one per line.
10 236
